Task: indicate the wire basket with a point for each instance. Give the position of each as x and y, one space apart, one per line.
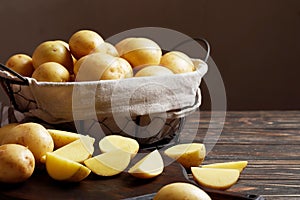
34 100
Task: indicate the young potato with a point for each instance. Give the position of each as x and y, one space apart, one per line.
107 48
139 51
51 72
21 63
52 51
178 62
153 70
101 66
16 163
181 190
31 135
84 42
4 130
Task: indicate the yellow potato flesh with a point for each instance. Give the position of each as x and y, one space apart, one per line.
62 138
108 164
77 151
150 166
180 191
239 165
215 178
62 169
115 142
188 155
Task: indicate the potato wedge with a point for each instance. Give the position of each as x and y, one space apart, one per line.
77 151
149 166
62 138
109 164
188 155
215 178
114 142
62 169
239 165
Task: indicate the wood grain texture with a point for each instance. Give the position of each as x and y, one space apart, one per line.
268 140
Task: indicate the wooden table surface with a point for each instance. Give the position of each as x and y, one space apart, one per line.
268 140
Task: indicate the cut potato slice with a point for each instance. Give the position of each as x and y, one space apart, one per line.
215 178
114 142
188 155
239 165
62 138
62 169
148 167
79 150
109 164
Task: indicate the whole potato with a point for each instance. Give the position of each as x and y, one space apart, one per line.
178 62
84 42
52 51
16 163
139 51
51 72
153 70
31 135
101 66
4 130
181 190
21 63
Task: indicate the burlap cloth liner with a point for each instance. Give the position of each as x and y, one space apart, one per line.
65 102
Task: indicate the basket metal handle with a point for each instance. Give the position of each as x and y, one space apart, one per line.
202 40
22 81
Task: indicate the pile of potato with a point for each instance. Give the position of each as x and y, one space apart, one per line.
69 157
22 146
87 57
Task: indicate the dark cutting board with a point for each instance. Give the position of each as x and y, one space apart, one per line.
41 186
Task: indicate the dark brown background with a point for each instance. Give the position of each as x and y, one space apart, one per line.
255 43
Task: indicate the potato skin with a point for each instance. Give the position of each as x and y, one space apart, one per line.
31 135
180 191
17 163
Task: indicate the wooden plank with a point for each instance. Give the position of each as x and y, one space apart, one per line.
244 136
247 119
268 188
